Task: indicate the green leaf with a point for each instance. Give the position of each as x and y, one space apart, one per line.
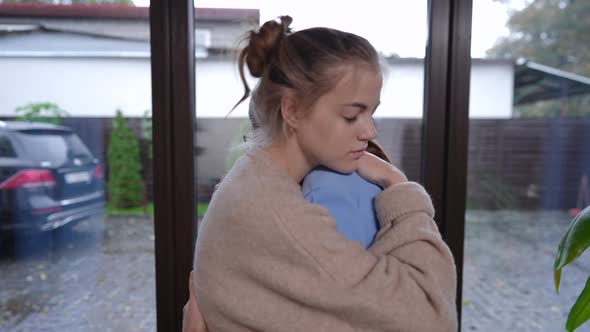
580 312
573 243
557 279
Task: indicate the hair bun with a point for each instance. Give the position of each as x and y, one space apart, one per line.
265 43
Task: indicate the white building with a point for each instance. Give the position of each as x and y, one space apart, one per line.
92 63
93 60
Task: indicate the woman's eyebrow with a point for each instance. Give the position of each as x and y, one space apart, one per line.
361 105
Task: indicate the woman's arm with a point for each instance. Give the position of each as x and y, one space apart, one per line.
192 321
286 267
406 279
269 260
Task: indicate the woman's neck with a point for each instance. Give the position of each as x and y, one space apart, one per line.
289 156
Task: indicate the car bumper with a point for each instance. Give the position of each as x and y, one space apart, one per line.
69 211
59 219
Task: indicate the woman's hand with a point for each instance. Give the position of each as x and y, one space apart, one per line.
192 320
378 171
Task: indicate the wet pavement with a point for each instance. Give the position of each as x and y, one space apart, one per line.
100 277
508 272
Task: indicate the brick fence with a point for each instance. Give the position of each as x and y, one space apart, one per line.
512 163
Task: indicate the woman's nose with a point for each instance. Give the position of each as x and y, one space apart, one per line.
369 132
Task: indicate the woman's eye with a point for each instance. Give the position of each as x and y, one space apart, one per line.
350 120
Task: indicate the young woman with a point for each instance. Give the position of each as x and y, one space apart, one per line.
267 259
348 197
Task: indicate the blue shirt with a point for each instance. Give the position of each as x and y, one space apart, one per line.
350 200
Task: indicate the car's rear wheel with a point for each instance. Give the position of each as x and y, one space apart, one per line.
6 244
2 249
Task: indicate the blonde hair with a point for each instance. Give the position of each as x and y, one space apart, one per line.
306 63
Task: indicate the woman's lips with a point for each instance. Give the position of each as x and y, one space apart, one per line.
358 153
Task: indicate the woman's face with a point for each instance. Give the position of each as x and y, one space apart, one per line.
337 127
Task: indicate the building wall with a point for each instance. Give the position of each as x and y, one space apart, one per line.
490 95
513 163
218 88
492 89
216 137
402 95
97 86
223 34
82 86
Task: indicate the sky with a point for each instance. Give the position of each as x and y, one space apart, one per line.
393 27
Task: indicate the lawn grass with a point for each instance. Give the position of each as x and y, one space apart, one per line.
111 211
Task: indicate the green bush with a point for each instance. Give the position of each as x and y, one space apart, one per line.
125 185
41 112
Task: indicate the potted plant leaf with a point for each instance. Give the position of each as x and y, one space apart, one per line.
574 242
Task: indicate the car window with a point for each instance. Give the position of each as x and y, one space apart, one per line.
53 148
6 149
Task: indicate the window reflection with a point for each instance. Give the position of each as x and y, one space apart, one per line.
528 163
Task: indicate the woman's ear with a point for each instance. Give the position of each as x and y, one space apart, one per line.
290 111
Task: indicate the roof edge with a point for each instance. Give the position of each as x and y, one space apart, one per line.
116 11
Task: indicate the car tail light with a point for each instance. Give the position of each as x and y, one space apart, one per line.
29 178
47 210
98 172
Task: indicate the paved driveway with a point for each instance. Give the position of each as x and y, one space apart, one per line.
100 277
508 272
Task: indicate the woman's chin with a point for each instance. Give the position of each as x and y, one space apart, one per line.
344 168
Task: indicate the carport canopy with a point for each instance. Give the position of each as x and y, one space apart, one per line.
535 82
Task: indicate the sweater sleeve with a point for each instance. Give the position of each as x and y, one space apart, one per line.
408 276
406 281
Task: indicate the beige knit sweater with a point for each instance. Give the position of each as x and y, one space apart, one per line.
268 260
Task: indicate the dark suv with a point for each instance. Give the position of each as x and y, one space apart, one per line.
48 178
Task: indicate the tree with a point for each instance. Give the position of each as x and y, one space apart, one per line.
41 112
125 185
555 33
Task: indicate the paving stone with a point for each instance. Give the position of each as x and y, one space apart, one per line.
97 277
100 277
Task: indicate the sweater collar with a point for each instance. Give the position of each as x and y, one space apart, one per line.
270 167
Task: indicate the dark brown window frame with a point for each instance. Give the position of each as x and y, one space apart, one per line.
444 149
173 102
446 121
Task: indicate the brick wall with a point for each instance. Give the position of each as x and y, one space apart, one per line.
512 163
